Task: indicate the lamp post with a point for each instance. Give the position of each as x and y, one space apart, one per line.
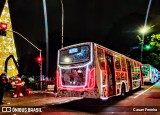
62 23
46 35
143 31
40 53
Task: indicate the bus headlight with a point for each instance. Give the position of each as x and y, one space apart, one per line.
67 59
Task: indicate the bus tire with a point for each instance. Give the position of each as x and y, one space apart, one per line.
123 91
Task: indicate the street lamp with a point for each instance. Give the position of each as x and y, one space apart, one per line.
143 31
40 53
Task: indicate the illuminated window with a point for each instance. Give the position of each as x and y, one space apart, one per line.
132 66
145 70
117 63
123 64
100 58
75 55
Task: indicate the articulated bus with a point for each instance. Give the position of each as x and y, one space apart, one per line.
150 73
90 70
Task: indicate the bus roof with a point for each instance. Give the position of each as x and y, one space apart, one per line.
117 53
98 45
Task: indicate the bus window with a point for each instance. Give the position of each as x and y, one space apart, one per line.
117 63
75 55
123 64
132 66
100 58
138 68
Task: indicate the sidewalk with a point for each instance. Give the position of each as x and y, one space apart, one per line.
38 98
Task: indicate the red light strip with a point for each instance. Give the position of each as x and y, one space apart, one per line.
58 79
91 81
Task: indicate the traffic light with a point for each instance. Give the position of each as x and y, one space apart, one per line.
147 47
39 60
3 27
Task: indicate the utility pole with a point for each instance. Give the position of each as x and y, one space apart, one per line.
46 35
145 24
62 23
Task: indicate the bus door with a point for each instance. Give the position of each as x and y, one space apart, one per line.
111 75
129 75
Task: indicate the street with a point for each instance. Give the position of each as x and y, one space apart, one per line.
145 101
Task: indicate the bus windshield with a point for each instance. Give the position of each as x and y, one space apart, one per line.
145 71
79 54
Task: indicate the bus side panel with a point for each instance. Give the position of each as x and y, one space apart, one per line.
98 72
101 73
136 75
105 76
129 75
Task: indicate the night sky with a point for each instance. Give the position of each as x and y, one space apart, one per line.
112 23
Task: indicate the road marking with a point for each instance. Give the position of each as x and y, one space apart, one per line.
145 90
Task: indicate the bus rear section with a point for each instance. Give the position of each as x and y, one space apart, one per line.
150 73
76 71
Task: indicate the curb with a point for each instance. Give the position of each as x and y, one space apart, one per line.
47 92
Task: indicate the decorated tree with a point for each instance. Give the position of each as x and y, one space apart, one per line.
7 44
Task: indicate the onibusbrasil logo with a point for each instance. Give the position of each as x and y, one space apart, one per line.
21 109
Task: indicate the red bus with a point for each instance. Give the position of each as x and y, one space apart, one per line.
90 70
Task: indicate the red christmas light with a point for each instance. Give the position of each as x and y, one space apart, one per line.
3 26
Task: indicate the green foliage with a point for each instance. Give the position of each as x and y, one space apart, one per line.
152 55
152 58
155 41
151 50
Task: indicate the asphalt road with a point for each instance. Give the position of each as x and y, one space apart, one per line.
142 102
